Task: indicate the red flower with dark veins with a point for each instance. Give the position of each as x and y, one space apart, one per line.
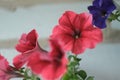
6 71
28 45
51 67
76 32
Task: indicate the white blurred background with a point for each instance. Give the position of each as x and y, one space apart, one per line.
21 17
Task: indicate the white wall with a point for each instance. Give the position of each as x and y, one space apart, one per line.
41 17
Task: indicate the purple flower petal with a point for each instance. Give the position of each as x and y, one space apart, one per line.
101 9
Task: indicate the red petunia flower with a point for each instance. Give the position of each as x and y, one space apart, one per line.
75 32
28 44
6 71
51 67
19 61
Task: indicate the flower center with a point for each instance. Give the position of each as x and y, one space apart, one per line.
76 35
103 13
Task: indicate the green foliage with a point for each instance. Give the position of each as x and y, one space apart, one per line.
28 75
74 71
90 78
82 74
114 16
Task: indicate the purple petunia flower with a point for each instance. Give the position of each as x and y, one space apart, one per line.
101 9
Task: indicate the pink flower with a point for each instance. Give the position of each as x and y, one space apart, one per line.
19 61
28 45
75 32
51 67
28 42
6 71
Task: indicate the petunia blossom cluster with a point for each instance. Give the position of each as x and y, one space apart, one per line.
73 34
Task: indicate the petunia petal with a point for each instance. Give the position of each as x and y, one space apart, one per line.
78 46
85 20
100 22
19 61
32 36
27 42
92 37
67 19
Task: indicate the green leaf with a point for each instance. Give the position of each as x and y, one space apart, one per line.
90 78
66 77
114 16
70 57
82 74
37 78
77 59
22 70
75 77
